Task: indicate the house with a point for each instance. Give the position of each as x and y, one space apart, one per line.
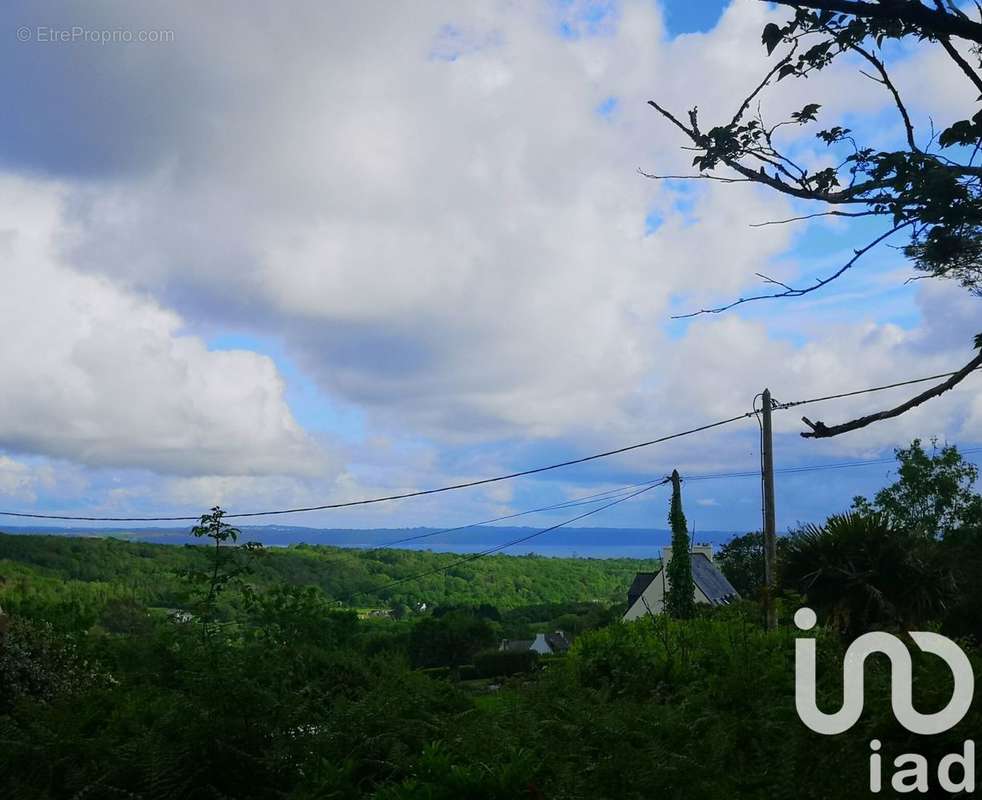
543 643
647 593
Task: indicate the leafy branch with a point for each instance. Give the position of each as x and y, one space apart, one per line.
933 192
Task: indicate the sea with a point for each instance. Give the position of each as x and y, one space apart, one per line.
641 543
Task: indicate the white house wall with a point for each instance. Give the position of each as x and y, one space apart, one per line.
653 598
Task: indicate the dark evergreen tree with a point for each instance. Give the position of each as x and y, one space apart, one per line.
680 600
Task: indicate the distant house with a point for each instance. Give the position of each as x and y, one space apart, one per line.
543 643
647 593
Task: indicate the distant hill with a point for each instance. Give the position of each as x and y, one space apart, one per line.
84 569
587 542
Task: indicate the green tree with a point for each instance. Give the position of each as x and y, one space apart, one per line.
741 560
398 610
301 614
449 641
927 187
38 662
933 494
227 564
125 615
680 598
859 571
962 551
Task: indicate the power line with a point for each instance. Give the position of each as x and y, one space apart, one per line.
598 497
479 482
403 496
793 404
512 543
601 496
484 481
608 493
810 467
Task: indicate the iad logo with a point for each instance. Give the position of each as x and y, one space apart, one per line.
901 696
901 680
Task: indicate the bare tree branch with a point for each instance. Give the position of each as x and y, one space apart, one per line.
769 279
690 132
821 431
692 178
813 216
767 79
965 67
792 292
884 79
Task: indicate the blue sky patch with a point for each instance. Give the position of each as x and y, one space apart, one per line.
311 407
692 16
608 107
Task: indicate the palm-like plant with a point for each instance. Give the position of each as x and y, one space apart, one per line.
859 572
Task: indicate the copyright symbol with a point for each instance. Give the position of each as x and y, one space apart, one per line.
23 34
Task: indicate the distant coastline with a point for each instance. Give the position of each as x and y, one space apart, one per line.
564 543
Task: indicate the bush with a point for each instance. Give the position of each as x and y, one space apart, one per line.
502 663
442 673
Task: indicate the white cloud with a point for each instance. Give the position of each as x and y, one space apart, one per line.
105 377
21 481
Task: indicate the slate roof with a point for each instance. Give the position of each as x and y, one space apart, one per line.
711 581
557 642
705 575
641 582
517 645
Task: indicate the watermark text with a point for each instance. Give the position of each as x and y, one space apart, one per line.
82 34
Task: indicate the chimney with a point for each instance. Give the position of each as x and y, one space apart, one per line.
705 549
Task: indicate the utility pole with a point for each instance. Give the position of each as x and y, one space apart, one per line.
770 535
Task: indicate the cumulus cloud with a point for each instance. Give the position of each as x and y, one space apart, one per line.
106 377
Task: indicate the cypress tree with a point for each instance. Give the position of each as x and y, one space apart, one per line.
679 601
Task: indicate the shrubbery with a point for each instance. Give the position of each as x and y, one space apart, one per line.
504 663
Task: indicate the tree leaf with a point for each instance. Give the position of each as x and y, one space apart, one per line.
771 37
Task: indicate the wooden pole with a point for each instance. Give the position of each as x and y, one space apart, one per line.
770 534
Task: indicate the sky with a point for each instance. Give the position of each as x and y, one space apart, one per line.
276 256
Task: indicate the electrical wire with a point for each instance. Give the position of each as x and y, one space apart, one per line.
607 494
795 403
512 543
481 481
404 495
599 497
809 467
